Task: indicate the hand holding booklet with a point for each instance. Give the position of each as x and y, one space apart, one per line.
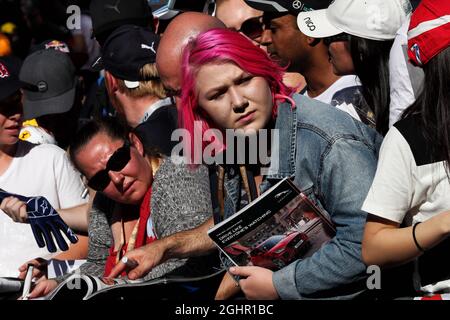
279 227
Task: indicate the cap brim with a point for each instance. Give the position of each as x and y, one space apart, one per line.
59 104
11 87
315 24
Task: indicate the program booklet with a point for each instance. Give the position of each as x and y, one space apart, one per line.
279 227
86 287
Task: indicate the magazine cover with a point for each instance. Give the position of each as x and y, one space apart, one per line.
279 227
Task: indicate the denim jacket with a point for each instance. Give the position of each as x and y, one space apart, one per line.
332 158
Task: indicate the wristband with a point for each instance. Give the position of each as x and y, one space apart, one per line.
414 237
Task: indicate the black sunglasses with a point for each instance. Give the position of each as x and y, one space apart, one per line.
252 28
116 162
339 37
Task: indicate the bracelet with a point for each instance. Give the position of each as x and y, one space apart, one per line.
414 237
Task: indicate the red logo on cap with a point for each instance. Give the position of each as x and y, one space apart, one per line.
4 73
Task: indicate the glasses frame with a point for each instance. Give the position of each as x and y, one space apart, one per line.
118 160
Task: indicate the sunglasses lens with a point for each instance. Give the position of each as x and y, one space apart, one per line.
100 181
116 162
119 159
252 28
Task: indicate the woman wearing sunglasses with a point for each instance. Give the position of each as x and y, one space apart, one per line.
169 198
228 83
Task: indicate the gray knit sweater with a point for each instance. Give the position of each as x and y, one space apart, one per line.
180 201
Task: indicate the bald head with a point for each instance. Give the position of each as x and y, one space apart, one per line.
178 33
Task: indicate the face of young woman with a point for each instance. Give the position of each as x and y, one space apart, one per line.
128 185
10 119
232 98
341 58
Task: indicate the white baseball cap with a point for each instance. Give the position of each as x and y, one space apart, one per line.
370 19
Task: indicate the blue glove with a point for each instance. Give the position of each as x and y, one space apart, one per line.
44 221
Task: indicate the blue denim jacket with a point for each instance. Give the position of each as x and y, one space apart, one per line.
332 158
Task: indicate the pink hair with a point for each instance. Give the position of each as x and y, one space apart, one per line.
224 46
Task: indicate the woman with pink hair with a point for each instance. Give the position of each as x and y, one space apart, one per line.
228 83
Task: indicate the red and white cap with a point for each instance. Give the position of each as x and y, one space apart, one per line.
429 31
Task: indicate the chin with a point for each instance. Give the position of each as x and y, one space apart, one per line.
8 141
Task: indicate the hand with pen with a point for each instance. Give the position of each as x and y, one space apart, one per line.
42 217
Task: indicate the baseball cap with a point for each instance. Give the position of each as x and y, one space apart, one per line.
429 31
288 6
369 19
110 14
126 51
52 75
9 80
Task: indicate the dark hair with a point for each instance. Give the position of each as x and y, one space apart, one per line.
114 128
433 106
370 59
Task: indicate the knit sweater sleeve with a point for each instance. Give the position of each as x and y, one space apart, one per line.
180 201
100 239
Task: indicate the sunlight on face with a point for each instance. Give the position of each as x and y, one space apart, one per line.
232 98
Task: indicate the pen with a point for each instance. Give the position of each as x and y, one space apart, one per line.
27 283
84 193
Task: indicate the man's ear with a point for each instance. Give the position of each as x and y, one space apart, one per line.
110 83
312 42
136 142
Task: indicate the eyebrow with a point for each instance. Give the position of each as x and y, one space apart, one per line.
225 86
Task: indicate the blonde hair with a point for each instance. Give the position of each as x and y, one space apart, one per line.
149 87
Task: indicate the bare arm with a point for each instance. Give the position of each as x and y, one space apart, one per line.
385 244
76 218
194 242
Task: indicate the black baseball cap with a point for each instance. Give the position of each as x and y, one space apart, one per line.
110 14
52 75
9 80
126 51
293 7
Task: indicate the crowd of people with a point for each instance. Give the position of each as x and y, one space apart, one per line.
357 92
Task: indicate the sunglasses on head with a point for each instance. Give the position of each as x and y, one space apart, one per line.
116 162
339 37
252 28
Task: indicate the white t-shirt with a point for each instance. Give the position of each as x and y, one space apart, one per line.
408 186
37 170
350 81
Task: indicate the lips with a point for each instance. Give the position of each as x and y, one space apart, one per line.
246 117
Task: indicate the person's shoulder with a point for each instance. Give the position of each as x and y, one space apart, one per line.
412 132
323 117
46 151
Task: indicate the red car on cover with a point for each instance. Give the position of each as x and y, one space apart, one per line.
279 250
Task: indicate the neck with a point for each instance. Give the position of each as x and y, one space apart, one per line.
319 75
135 108
7 153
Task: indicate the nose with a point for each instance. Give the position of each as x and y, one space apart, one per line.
117 178
266 37
238 102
